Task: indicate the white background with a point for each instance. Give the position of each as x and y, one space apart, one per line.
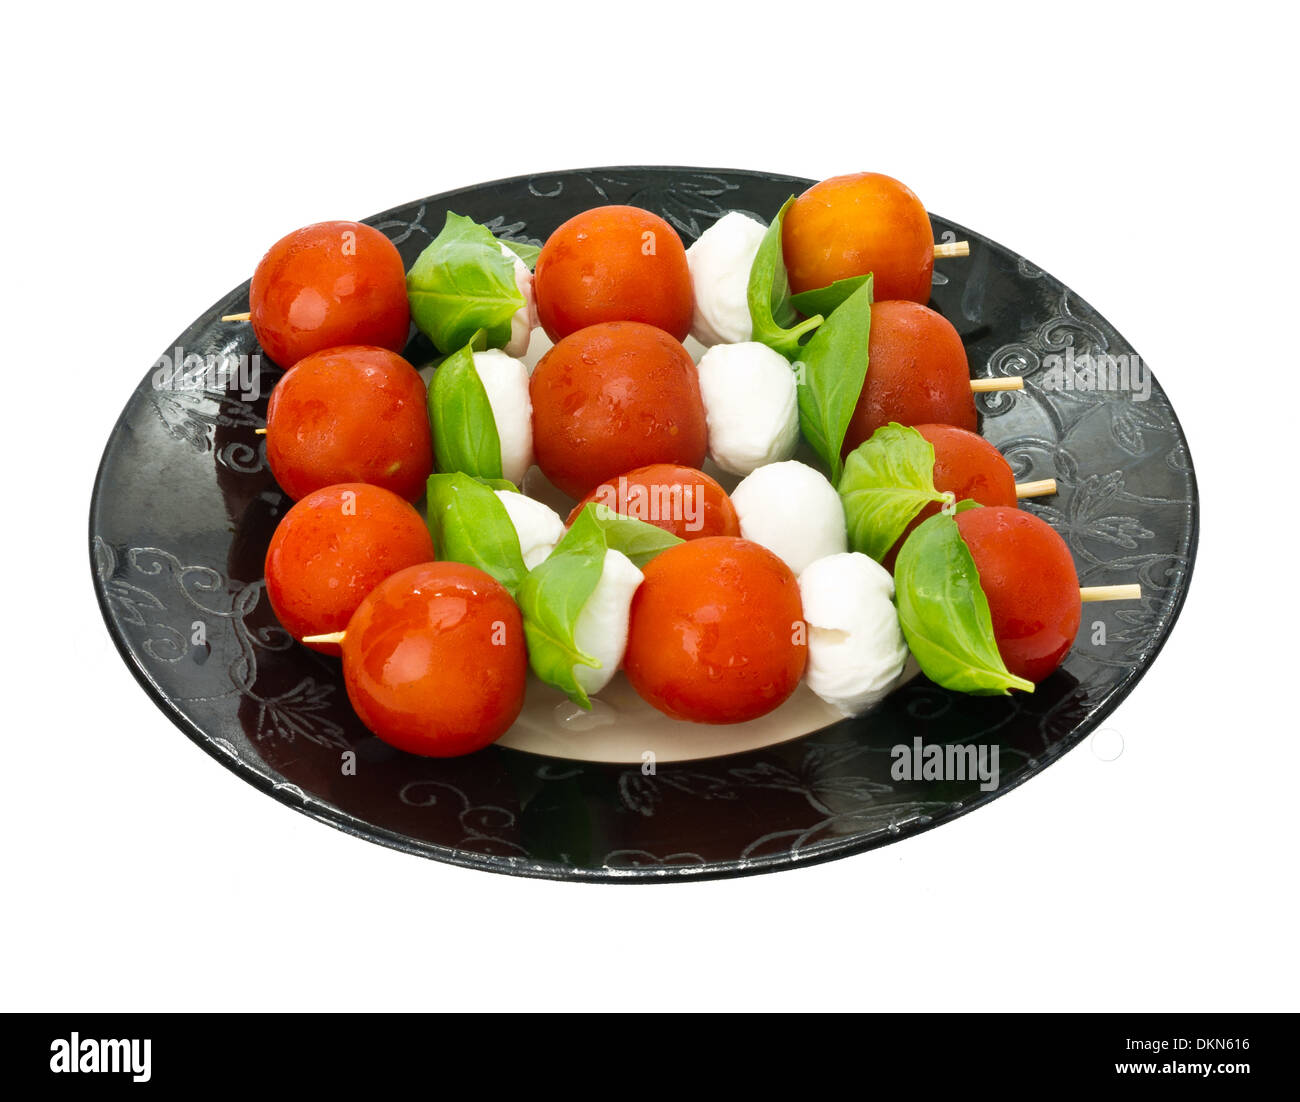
1143 159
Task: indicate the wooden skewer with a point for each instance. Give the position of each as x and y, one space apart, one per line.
1110 593
1044 487
952 248
259 432
236 317
328 637
1009 382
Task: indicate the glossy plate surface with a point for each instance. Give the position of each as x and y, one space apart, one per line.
184 507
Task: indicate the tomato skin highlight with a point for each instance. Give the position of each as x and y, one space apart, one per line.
351 414
705 507
851 225
1028 576
331 549
716 632
966 465
319 288
596 268
434 660
917 373
611 398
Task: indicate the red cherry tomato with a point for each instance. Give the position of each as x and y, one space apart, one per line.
613 264
329 284
434 660
917 373
352 414
716 632
1028 576
966 465
851 225
333 548
680 500
611 398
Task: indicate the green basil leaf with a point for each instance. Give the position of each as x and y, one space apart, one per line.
887 481
462 282
834 370
526 252
638 540
965 504
465 434
825 300
770 311
470 525
945 615
498 484
552 596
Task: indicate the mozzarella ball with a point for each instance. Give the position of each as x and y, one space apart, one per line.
539 526
524 320
792 511
506 381
720 262
751 405
601 628
856 650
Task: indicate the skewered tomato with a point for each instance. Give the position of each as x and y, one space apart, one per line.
716 632
966 465
329 284
613 264
851 225
434 660
353 414
680 500
917 373
611 398
1028 576
332 548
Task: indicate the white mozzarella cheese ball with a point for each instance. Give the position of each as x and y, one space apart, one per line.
856 650
506 381
792 511
539 526
751 405
720 262
601 628
524 320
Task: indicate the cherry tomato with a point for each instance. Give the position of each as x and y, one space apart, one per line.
352 414
1028 576
613 264
966 465
851 225
434 660
332 548
680 500
611 398
917 373
329 284
716 632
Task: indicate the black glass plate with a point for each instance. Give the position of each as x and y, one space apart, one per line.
184 507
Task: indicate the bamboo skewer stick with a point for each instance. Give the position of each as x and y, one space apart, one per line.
259 432
952 248
236 317
328 637
1110 593
1044 487
1009 382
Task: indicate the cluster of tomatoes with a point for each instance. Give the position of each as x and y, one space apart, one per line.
434 653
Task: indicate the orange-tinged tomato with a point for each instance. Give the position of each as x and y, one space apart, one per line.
680 500
434 660
917 373
1028 576
332 548
716 633
352 414
613 264
966 465
329 284
611 398
851 225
